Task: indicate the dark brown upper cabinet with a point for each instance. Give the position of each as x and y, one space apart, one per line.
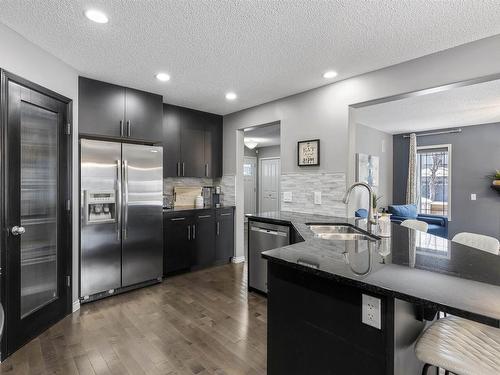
115 111
192 142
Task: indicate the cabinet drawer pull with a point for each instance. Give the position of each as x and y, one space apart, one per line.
226 214
178 218
204 216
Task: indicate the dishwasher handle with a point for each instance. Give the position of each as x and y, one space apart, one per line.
269 231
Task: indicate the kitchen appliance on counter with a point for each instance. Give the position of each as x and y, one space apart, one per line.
121 241
262 237
211 196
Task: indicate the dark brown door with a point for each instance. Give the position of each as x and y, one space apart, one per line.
37 221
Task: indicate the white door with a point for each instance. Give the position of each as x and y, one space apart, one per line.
250 183
269 177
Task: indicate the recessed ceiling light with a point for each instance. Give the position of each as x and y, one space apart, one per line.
96 16
231 96
164 77
330 74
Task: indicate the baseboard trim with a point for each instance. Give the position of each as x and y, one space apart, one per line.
76 306
238 259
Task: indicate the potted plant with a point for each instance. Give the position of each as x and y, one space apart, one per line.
496 180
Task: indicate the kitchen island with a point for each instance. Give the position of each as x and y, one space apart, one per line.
316 288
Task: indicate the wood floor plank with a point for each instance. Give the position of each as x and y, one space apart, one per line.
199 323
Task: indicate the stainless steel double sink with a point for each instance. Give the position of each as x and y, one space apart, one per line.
342 232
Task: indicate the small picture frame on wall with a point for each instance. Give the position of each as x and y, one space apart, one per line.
308 153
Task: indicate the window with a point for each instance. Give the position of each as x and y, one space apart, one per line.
434 179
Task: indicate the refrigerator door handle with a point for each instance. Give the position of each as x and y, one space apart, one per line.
125 199
118 199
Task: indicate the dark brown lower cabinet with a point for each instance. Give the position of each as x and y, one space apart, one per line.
178 246
224 241
204 239
314 327
197 239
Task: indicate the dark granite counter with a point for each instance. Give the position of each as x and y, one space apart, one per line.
410 265
181 209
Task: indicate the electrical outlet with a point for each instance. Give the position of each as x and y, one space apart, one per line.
317 197
473 197
371 311
287 196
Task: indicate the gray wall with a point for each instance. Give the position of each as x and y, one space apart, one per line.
29 61
475 154
371 141
323 112
269 152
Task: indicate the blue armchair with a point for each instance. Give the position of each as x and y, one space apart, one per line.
438 225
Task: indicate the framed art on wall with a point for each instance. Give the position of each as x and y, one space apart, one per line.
308 153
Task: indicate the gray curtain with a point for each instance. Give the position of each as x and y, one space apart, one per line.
411 186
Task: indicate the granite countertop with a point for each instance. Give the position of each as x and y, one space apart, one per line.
410 265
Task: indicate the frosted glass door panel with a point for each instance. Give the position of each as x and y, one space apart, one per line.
39 171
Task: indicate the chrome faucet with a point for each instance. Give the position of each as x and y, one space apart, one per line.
371 217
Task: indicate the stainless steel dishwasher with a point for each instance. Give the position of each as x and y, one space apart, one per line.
262 237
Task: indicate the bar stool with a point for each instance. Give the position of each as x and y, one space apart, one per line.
478 241
422 226
460 346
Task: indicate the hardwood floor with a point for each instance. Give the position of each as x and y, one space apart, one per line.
204 322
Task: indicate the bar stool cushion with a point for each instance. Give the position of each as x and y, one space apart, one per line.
461 346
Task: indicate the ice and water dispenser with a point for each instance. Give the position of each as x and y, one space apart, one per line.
100 207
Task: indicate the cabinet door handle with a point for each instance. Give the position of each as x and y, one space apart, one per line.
183 169
206 170
178 169
194 231
189 232
129 128
218 228
178 218
121 128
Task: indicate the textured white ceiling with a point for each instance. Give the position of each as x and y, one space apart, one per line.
463 106
264 135
261 49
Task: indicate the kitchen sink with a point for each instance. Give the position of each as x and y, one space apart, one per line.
340 232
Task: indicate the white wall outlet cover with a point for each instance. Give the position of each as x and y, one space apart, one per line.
371 311
317 197
287 196
473 197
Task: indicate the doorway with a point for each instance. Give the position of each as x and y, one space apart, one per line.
269 180
36 239
250 182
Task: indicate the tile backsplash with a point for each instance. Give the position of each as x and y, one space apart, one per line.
227 184
302 185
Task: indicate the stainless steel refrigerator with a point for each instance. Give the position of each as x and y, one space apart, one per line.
121 236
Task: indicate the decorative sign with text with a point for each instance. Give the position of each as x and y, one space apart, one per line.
308 153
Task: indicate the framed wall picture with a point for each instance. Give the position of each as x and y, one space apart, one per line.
308 153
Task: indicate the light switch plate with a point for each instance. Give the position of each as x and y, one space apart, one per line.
371 311
473 197
287 196
317 197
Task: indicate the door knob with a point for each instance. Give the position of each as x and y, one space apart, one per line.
17 231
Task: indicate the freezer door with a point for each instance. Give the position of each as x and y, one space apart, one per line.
142 234
100 235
